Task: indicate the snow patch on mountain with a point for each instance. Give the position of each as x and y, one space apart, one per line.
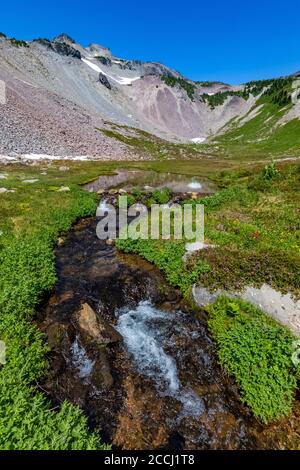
120 80
198 140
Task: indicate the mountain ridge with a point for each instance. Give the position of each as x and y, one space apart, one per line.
60 94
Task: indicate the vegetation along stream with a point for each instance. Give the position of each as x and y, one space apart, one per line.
137 357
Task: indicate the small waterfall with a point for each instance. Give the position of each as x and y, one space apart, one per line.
144 330
81 361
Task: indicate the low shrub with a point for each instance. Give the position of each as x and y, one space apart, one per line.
258 353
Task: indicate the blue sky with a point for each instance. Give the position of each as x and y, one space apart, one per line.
233 41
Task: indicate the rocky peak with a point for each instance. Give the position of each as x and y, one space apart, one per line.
97 50
63 37
64 48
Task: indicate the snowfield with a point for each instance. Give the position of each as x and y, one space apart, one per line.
120 80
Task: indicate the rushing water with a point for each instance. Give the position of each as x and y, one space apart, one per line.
159 387
145 330
81 361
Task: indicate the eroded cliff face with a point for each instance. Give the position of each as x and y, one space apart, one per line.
59 94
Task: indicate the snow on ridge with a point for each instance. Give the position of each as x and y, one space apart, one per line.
35 156
198 140
41 157
120 80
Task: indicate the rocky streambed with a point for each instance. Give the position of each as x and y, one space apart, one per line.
126 348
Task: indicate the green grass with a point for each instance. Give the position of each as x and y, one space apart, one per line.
239 220
237 145
258 353
151 146
31 220
277 91
252 249
167 256
255 222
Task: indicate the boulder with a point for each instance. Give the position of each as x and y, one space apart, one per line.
104 80
95 327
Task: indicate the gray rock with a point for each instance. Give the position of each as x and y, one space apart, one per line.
282 307
104 80
65 49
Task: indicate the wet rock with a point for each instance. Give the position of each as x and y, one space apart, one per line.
101 376
140 423
168 306
59 336
95 327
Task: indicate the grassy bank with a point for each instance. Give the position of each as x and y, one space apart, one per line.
253 221
32 217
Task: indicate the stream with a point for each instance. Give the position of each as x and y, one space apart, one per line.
140 362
